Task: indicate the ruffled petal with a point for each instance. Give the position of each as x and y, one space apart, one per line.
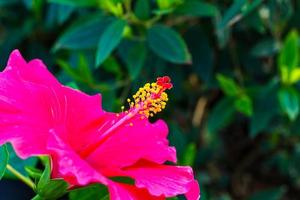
68 165
119 191
194 192
165 180
35 71
32 102
134 140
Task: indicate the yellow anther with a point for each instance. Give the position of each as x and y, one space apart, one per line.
151 98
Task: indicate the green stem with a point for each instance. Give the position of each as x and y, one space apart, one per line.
37 197
23 178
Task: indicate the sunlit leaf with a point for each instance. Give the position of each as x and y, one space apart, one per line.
228 85
288 58
289 102
244 105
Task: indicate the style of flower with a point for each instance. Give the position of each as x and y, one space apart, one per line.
86 144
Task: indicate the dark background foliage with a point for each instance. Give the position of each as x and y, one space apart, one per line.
233 113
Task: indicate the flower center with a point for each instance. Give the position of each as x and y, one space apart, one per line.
151 98
147 101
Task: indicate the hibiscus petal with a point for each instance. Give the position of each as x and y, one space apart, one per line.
136 139
32 102
194 192
119 191
68 165
24 115
164 179
35 71
83 117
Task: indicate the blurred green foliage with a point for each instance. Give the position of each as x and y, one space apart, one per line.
234 110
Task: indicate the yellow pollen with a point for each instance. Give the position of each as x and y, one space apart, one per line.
131 124
149 99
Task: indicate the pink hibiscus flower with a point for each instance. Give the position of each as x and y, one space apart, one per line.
86 144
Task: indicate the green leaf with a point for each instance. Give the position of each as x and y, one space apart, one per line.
84 70
202 54
142 9
73 85
111 65
289 56
83 34
109 40
91 192
82 73
77 3
34 172
4 156
46 174
197 9
237 10
50 188
295 75
178 140
189 155
168 44
220 115
289 102
18 163
123 179
69 70
228 86
134 55
54 189
265 99
165 4
269 194
8 2
244 105
250 7
64 12
265 48
231 13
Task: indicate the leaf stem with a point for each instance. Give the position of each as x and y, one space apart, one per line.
23 178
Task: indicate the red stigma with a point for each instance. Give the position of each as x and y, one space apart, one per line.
164 82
